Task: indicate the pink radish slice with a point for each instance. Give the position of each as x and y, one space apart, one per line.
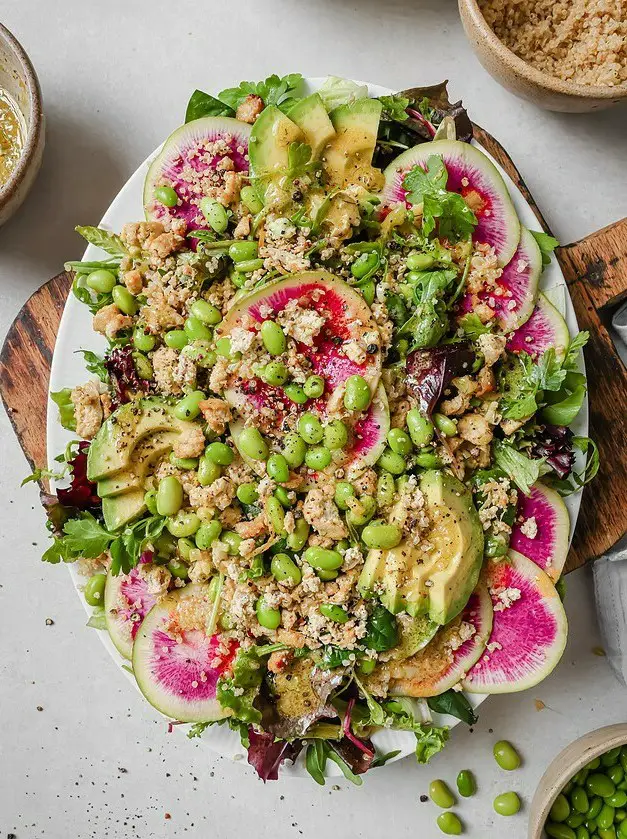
545 328
529 630
127 601
446 659
476 178
188 163
549 547
177 666
514 296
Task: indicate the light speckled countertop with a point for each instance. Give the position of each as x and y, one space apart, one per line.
81 754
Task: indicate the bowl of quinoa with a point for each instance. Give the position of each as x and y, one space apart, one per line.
563 56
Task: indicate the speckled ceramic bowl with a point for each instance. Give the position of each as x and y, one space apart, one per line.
19 79
521 78
568 763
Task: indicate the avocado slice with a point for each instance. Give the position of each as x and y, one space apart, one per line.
112 447
437 582
119 510
145 456
311 117
269 143
347 158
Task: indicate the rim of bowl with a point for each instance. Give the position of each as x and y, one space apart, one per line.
33 134
533 75
611 737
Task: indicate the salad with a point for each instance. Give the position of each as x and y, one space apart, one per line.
316 490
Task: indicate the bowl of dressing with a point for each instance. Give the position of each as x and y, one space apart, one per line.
21 124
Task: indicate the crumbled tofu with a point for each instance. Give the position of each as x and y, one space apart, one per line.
529 528
109 321
87 409
190 443
249 109
301 324
216 414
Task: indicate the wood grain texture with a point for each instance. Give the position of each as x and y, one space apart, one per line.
596 272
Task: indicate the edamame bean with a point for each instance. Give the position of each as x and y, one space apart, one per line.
335 435
223 347
188 408
420 429
275 515
359 517
356 394
142 366
183 524
205 312
196 330
275 373
250 199
314 387
593 764
559 831
579 798
399 442
284 569
294 450
215 214
310 428
607 833
124 300
364 264
382 536
232 540
367 666
295 393
169 496
94 589
101 281
368 290
441 795
428 460
208 472
278 468
318 457
249 266
238 279
575 820
591 825
323 559
620 815
417 261
183 462
166 195
616 773
247 494
326 576
252 444
622 829
243 250
605 818
165 546
611 757
582 833
450 824
176 339
207 533
178 569
595 807
297 540
142 340
150 500
598 784
273 337
506 755
334 613
466 783
267 617
283 495
343 491
386 490
623 758
444 424
392 462
618 800
220 453
185 547
507 804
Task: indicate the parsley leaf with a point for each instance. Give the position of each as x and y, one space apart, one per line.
275 90
299 160
202 104
419 182
572 354
521 469
94 364
454 217
394 107
84 536
546 243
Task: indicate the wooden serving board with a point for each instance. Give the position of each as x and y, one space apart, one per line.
596 273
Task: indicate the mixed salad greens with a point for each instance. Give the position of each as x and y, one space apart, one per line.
316 490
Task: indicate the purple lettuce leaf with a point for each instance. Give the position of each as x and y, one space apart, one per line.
554 442
82 492
358 758
124 379
430 371
266 753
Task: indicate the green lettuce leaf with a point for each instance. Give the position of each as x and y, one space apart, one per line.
517 466
62 400
336 91
202 104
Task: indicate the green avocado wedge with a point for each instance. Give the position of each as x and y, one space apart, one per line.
311 117
347 158
119 510
437 582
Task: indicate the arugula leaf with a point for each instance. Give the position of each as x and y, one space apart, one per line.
62 399
381 760
517 466
39 474
547 372
84 536
95 364
381 630
202 104
316 760
473 327
453 702
344 767
546 243
103 239
430 740
394 107
275 90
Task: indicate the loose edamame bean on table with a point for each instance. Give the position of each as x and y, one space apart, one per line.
506 755
450 824
466 783
507 804
440 794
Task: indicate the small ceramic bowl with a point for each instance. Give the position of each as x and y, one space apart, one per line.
19 79
568 763
525 81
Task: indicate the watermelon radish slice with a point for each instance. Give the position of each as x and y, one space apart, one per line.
545 328
476 178
445 661
549 547
188 164
347 316
127 601
177 666
516 290
529 630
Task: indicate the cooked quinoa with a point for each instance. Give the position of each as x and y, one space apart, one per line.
584 41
